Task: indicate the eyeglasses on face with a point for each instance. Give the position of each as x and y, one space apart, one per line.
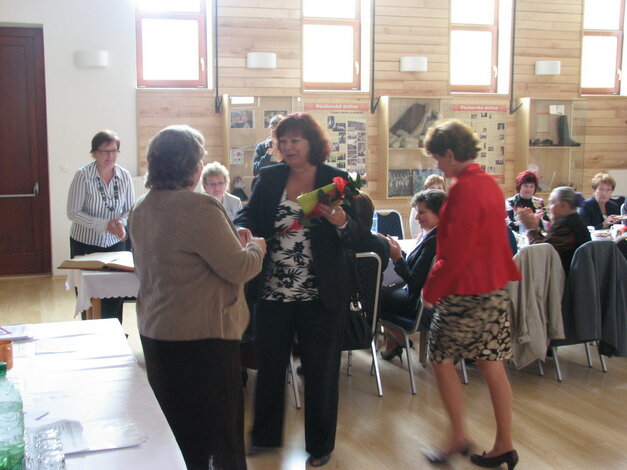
109 152
216 183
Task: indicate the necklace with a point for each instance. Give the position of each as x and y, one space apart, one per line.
104 196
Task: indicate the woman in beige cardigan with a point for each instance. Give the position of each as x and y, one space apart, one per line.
192 265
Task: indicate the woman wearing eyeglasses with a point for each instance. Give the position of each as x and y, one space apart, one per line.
100 199
215 180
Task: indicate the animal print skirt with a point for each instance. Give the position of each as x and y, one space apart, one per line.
471 326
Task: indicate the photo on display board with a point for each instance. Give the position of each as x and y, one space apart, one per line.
267 115
399 183
419 177
242 119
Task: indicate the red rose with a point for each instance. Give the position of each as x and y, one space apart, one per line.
340 183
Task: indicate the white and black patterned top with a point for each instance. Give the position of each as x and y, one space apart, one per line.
290 277
91 204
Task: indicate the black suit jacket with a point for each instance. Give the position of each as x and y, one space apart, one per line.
591 212
330 264
415 268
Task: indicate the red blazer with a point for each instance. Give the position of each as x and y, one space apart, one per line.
473 254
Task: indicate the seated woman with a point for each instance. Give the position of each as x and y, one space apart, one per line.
432 182
599 211
526 186
371 242
404 299
215 180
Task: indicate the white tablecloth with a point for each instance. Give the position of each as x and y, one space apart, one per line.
100 285
86 371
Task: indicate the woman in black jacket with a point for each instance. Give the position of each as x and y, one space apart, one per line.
304 288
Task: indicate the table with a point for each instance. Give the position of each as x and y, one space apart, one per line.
86 371
95 285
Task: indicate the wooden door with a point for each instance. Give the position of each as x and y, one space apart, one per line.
24 189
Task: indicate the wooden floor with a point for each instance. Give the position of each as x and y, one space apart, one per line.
580 423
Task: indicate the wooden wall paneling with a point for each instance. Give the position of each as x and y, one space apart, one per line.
407 28
606 137
259 26
157 109
547 31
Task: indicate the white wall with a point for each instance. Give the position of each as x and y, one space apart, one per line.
80 102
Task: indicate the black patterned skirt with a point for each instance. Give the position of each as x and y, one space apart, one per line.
471 326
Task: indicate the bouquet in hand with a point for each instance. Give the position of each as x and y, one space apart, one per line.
338 193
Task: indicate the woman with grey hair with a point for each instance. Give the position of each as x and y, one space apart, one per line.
215 179
191 310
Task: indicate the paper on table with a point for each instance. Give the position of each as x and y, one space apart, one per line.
90 436
15 332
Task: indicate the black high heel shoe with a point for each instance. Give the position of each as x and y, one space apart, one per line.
510 458
397 351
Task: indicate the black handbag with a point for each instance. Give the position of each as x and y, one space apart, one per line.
357 332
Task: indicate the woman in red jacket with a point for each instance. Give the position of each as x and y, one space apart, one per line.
473 265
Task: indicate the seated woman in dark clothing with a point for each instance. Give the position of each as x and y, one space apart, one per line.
599 210
404 299
526 186
568 231
371 242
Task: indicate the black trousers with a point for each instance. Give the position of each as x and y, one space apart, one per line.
109 308
318 332
199 387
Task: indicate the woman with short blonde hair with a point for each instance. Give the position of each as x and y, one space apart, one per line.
599 210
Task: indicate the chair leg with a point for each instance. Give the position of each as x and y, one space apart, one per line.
601 358
290 375
558 370
375 365
349 363
540 368
423 348
588 355
409 366
464 371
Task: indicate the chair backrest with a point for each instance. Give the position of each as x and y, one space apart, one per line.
390 222
369 276
595 297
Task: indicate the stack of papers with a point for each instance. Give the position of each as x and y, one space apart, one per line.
16 332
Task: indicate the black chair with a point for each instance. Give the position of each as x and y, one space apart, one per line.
594 306
369 277
390 222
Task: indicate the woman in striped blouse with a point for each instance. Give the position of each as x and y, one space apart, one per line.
100 199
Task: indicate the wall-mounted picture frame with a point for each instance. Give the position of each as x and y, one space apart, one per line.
267 115
399 183
242 119
418 178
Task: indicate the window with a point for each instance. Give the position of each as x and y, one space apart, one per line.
602 48
171 43
331 44
480 45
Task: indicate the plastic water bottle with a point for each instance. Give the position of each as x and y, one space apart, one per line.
11 424
375 223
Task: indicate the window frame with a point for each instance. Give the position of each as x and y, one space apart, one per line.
355 24
201 21
491 28
619 35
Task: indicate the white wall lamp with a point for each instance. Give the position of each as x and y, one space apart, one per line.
548 67
91 58
413 64
261 60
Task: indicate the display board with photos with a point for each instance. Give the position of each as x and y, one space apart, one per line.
488 121
408 182
346 126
